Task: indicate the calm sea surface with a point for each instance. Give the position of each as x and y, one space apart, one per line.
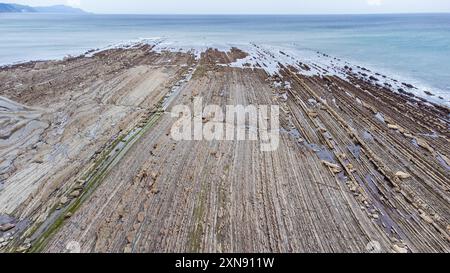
414 47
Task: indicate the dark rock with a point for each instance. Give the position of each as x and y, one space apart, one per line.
422 99
7 227
408 85
401 90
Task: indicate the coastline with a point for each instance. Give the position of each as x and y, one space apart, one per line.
66 114
327 64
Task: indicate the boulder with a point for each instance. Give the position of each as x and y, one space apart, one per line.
6 227
333 167
154 175
75 194
313 114
424 144
127 249
141 217
426 218
399 249
63 200
393 127
402 175
68 215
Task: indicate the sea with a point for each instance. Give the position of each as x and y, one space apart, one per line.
410 47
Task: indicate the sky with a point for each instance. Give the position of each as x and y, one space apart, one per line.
248 6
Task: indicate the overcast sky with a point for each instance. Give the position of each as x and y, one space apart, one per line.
249 6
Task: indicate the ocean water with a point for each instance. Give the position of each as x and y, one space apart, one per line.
411 47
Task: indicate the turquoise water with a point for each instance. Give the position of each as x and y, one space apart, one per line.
414 47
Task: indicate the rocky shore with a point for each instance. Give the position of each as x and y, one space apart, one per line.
86 156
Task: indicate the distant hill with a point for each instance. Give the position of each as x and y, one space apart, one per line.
58 9
15 8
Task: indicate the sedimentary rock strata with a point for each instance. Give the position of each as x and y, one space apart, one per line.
93 160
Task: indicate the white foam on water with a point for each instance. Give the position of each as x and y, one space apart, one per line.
313 63
269 57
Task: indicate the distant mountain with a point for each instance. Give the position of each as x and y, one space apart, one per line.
15 8
58 9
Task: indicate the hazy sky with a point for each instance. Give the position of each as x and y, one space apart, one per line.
249 6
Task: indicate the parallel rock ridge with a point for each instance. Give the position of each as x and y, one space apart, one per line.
87 157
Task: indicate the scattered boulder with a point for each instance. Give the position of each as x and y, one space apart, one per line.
424 144
426 218
7 227
127 249
329 164
333 167
393 127
23 249
402 175
141 217
154 175
313 114
399 249
351 167
68 215
154 191
130 238
75 194
64 200
38 159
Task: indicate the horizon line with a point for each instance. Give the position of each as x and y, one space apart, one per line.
265 14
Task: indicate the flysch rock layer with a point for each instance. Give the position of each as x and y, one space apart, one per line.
357 163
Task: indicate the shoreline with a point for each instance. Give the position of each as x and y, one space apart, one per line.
390 80
361 160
